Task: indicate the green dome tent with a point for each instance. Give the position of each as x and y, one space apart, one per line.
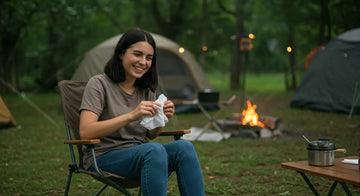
180 76
332 82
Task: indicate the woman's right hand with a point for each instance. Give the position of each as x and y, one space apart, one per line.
145 108
91 127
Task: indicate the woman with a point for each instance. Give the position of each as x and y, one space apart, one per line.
113 105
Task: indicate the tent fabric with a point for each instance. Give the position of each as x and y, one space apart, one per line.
331 83
180 76
6 119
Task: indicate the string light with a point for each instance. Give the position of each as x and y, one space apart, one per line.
181 50
251 36
288 49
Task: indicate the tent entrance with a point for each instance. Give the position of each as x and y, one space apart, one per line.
175 79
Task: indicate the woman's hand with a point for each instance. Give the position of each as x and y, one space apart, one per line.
169 109
145 108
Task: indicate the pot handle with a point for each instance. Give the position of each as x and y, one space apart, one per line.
341 150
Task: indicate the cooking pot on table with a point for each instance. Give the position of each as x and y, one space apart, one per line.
321 152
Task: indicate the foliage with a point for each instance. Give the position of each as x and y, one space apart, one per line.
44 41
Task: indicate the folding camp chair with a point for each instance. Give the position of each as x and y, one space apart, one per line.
206 99
71 94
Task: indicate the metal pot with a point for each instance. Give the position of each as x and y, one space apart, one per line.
321 152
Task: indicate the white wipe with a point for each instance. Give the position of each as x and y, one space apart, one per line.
351 161
159 120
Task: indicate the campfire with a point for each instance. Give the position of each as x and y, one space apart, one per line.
250 117
251 123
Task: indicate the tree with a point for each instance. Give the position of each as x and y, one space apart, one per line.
236 65
288 7
324 36
169 17
14 17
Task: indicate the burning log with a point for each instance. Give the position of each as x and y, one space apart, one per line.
269 121
248 123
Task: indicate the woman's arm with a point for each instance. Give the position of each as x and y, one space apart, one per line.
152 134
91 128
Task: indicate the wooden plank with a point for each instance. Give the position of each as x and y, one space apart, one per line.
171 133
94 141
341 172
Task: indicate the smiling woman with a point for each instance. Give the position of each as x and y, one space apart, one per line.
137 61
113 105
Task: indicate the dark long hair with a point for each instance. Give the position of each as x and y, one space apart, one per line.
114 68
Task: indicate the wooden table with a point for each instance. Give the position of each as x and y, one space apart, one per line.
342 173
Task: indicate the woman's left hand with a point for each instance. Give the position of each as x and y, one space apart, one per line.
169 109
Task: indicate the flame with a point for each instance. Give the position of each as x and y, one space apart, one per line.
250 116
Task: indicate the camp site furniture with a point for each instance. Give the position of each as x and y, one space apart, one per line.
208 98
342 173
71 93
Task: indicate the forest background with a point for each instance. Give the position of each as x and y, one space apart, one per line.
43 42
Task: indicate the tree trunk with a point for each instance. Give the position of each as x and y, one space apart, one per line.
324 23
166 24
290 22
292 57
7 58
236 65
204 25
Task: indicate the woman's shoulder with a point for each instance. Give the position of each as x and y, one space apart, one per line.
100 79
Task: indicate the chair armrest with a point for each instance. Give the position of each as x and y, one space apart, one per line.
172 133
93 141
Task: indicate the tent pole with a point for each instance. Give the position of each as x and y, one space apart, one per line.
355 100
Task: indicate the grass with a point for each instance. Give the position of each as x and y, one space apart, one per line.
34 161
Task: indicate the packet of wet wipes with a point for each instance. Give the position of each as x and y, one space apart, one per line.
159 120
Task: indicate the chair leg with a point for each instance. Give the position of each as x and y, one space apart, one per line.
68 182
101 189
118 187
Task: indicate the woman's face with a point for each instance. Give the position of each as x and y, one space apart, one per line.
137 59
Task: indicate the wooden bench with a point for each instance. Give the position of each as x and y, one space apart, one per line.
340 172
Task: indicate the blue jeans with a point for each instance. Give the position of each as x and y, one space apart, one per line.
151 163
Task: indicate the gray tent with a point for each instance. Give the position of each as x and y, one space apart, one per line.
332 82
180 76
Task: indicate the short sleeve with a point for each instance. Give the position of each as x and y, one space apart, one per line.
93 98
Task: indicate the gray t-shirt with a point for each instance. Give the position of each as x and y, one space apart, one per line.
105 98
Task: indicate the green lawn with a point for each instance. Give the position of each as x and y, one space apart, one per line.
34 159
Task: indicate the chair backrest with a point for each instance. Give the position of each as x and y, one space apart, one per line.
71 94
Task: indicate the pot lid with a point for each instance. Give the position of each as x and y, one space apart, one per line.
321 144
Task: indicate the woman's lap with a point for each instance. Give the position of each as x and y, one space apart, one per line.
151 162
127 162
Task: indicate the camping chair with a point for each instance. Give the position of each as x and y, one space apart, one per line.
209 98
71 93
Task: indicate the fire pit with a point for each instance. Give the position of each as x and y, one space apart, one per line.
249 124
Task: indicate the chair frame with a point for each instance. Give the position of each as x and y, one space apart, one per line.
105 177
212 120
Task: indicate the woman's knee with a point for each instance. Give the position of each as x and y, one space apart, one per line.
186 145
156 149
185 149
